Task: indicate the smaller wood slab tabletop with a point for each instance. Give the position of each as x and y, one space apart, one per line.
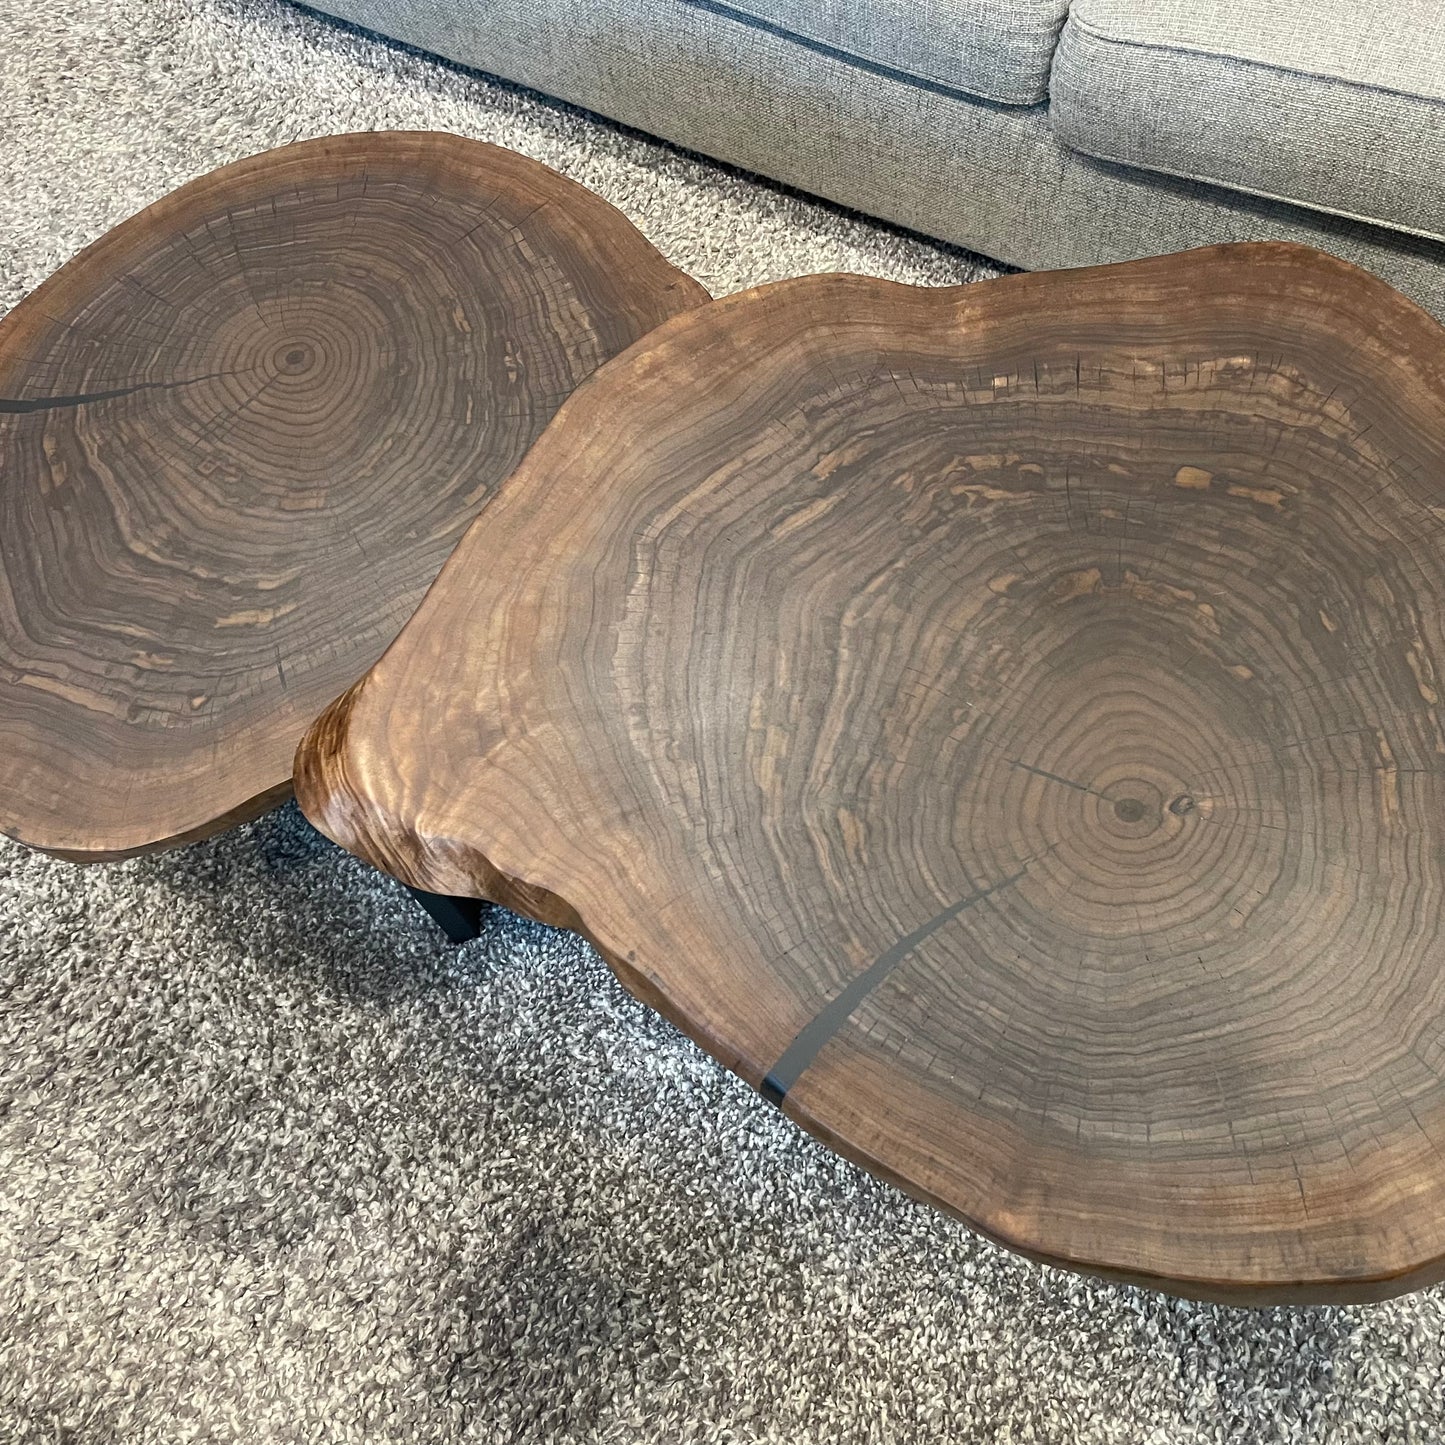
240 434
1001 723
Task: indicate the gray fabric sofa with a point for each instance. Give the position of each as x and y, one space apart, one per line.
1040 132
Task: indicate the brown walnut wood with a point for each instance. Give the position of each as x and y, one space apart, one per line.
238 437
1003 724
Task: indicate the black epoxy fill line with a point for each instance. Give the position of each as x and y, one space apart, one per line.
15 404
817 1031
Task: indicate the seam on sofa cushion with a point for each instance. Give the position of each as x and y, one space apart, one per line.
874 67
1096 33
1201 178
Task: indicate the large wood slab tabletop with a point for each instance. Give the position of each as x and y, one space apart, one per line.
1003 724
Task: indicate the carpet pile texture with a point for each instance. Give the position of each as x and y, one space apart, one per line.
278 1164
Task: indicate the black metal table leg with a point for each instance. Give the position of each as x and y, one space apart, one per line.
459 918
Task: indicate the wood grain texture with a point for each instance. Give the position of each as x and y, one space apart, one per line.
1003 725
238 437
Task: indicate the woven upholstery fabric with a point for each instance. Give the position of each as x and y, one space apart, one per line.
995 179
1332 104
996 49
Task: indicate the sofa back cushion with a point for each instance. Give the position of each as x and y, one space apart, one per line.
1334 105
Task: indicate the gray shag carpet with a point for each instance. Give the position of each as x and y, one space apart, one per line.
276 1164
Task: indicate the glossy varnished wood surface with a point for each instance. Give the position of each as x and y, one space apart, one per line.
1003 725
240 434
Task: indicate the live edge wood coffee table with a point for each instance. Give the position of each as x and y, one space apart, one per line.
238 437
1003 724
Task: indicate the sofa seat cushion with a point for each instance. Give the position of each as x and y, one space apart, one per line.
997 50
1332 105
